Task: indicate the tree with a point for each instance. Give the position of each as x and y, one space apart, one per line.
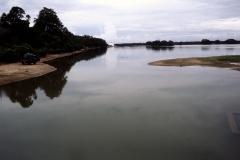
3 21
217 41
206 41
230 41
170 43
148 43
14 19
28 17
158 43
48 21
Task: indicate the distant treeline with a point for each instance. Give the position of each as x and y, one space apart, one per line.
130 44
158 43
208 42
164 43
228 41
48 35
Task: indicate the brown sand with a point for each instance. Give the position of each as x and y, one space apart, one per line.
14 72
181 62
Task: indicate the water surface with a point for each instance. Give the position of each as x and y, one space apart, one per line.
109 104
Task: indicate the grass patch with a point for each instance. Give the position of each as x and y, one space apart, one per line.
221 59
4 75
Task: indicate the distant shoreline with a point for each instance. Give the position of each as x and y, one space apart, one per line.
14 72
205 61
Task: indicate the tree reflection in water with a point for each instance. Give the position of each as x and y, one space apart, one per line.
163 48
24 92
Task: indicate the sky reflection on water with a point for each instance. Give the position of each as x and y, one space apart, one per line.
117 107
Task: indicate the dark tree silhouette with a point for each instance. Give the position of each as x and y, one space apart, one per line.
3 21
14 19
158 43
48 21
47 36
217 41
206 41
28 17
230 41
24 92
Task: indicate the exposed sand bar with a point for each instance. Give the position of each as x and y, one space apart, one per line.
14 72
181 62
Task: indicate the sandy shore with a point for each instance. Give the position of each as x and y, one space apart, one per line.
181 62
14 72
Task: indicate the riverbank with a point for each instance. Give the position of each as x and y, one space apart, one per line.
231 62
14 72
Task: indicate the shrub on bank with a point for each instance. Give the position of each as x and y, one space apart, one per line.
14 53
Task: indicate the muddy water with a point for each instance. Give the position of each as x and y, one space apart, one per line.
110 105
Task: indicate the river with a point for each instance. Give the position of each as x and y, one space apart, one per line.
111 105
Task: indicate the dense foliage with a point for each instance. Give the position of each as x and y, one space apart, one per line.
129 44
158 43
14 19
228 41
48 21
48 35
25 92
162 44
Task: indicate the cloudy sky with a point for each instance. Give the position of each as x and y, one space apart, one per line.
125 21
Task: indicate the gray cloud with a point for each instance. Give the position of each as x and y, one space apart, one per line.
142 20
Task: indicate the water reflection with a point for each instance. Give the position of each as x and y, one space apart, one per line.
132 111
230 49
110 58
159 48
205 48
24 92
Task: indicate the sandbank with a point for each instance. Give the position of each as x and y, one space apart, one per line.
183 62
14 72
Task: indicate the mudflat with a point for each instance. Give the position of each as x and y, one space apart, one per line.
181 62
14 72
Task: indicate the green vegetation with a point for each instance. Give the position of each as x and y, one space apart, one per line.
208 42
48 35
25 92
158 43
221 59
228 41
152 44
129 44
164 43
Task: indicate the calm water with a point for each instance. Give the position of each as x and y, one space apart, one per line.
110 105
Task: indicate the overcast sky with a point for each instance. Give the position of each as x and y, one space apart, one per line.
125 21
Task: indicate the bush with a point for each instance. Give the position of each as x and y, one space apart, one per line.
42 52
30 49
70 47
9 55
15 53
20 51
